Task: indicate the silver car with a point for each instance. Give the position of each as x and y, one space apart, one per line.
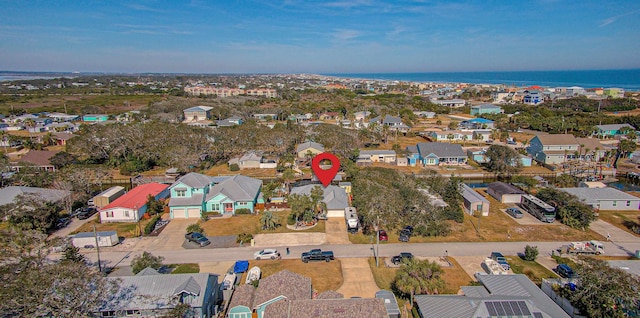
267 254
514 212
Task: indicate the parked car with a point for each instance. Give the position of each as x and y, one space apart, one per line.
404 236
87 213
382 235
267 254
498 257
398 258
565 271
63 222
197 238
317 255
514 212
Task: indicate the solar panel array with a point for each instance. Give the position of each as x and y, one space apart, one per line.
507 308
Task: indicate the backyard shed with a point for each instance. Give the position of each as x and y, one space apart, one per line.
88 239
107 196
474 201
504 192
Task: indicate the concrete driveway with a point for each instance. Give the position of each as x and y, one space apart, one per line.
74 225
357 279
172 236
617 234
336 230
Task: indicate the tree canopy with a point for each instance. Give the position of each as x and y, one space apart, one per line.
570 210
503 160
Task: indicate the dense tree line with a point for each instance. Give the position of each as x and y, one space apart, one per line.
387 198
570 210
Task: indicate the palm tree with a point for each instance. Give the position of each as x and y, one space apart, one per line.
269 221
464 140
419 277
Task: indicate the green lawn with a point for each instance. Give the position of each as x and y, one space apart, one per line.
250 223
186 269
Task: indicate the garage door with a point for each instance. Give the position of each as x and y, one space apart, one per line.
179 213
193 213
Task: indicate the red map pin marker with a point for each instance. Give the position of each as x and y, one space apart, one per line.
325 176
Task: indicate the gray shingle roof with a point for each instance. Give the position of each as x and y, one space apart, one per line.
330 294
198 109
614 126
194 180
158 291
195 199
440 149
388 119
504 188
335 197
334 308
237 188
242 296
309 144
557 139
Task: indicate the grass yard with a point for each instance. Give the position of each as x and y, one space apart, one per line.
124 229
324 276
186 269
494 228
250 223
622 219
533 270
455 277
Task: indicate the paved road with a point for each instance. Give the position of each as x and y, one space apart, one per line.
122 258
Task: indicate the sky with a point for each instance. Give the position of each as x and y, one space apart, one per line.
308 36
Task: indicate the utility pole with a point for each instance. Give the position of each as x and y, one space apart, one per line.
95 235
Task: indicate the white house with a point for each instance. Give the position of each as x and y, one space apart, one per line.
608 199
131 206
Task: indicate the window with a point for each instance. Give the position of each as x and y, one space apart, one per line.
242 203
126 213
628 203
181 192
109 214
615 203
110 313
133 312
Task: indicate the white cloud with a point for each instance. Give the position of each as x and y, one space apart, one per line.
613 19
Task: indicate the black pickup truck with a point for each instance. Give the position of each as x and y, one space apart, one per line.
317 255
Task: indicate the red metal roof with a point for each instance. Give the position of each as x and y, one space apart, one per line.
137 197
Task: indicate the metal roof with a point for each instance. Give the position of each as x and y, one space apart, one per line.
595 195
137 197
504 188
471 195
309 144
91 234
8 194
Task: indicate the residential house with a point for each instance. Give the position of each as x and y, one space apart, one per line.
613 92
10 193
423 114
329 116
436 153
481 135
38 159
62 117
498 296
195 193
151 294
95 118
505 192
613 130
131 206
474 201
393 122
402 161
378 155
451 135
61 138
591 149
265 116
390 303
477 123
362 115
553 148
289 295
486 109
250 160
228 122
453 103
309 148
197 113
500 97
334 197
608 199
532 97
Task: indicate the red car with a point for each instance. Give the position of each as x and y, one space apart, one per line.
382 235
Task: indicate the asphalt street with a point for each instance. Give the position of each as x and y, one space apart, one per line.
178 256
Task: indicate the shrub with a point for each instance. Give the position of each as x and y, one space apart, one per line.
244 238
195 227
151 225
530 253
291 219
234 167
145 260
243 211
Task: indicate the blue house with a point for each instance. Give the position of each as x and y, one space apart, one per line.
436 153
613 130
477 123
485 109
478 155
196 193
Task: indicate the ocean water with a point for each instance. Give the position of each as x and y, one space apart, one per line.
626 79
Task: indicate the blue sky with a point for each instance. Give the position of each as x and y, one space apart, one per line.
333 36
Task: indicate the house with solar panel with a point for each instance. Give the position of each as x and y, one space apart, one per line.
498 296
